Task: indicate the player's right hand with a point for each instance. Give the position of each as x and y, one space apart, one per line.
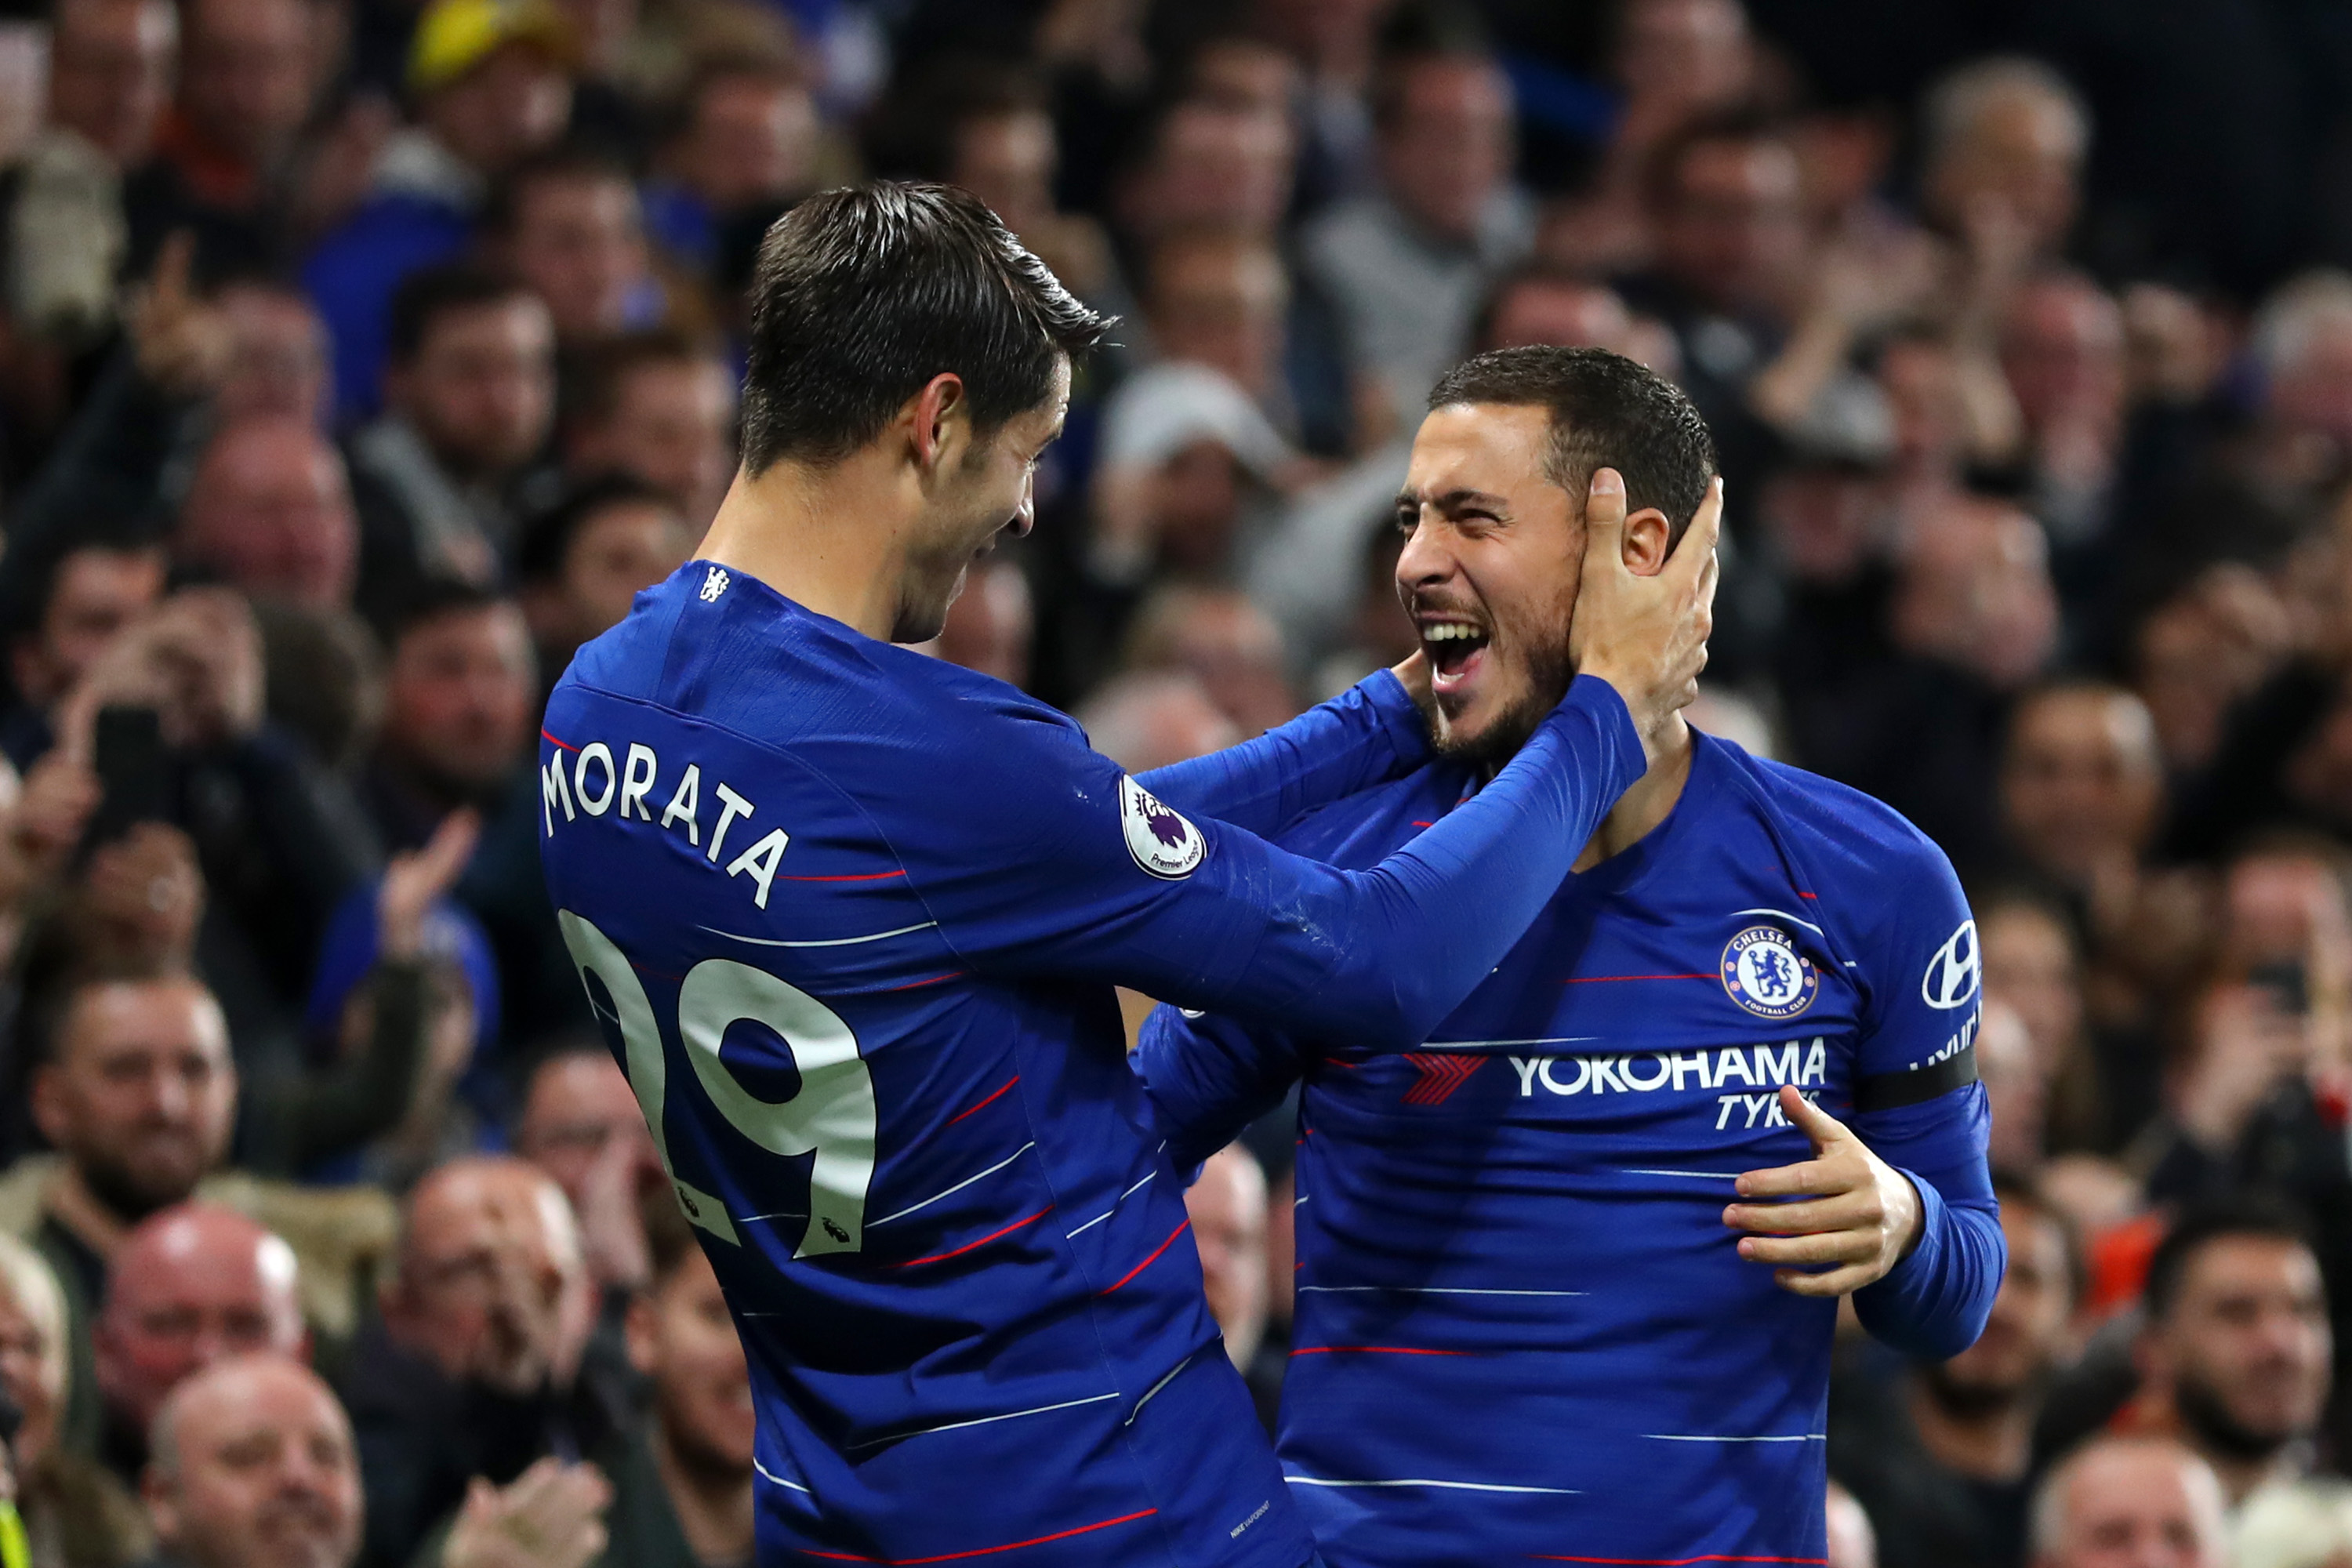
1645 636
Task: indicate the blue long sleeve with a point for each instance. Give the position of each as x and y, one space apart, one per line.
1369 733
1934 1303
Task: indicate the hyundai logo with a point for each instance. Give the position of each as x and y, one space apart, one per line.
1952 973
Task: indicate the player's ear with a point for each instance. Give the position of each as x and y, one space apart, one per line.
1647 537
940 420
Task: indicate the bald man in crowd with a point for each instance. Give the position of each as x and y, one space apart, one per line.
255 1468
190 1287
474 1364
2129 1502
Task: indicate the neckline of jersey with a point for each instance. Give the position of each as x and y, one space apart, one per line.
1627 867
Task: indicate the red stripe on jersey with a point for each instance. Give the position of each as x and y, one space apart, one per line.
1440 1076
934 980
1149 1261
977 1550
862 877
992 1100
553 741
983 1241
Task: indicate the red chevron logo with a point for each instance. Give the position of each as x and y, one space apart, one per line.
1440 1076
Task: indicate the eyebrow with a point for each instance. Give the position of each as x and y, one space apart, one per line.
1447 502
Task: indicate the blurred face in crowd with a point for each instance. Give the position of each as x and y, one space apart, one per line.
2024 153
672 425
2312 389
2286 906
98 592
481 387
682 1340
1565 312
577 1106
271 510
514 103
491 1286
1493 554
2203 650
1689 54
1446 146
2131 1505
753 138
1218 300
1828 521
1733 229
1008 161
1227 1207
459 696
2030 967
1222 639
991 624
1155 719
141 1093
245 74
191 1287
2062 348
258 1471
619 550
2016 1090
1975 592
2025 1336
1217 167
2245 1349
110 73
277 357
34 1355
2081 784
1926 403
1246 74
579 242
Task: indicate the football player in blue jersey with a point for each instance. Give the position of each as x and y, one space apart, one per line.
852 918
1567 1271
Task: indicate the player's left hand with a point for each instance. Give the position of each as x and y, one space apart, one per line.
1853 1211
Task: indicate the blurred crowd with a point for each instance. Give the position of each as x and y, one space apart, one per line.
359 359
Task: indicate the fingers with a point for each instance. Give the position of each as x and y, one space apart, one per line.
452 846
1810 1119
1605 524
1807 1178
1811 1251
1836 1283
1836 1211
1699 541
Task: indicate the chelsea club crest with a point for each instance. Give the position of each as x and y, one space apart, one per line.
1764 972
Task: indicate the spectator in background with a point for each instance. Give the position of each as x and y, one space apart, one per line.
1406 268
1227 643
2062 349
1542 304
226 155
581 562
491 84
658 406
568 225
1227 1207
76 1514
474 1366
2033 967
80 604
111 72
2129 1502
190 1286
2006 141
991 626
581 1123
1941 1457
2200 653
276 364
470 397
1206 165
255 1464
458 712
269 509
747 144
1154 718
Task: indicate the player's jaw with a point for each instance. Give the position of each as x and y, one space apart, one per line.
1495 670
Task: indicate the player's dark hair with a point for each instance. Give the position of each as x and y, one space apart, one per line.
1607 412
2258 1215
548 538
424 298
861 296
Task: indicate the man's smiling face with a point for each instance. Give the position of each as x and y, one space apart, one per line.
1494 551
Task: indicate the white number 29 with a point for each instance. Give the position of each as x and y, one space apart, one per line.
832 1117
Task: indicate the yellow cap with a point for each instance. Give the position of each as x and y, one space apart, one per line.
452 36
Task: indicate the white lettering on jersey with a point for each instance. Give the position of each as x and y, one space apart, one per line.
554 787
760 861
733 805
1761 1067
635 782
686 803
597 752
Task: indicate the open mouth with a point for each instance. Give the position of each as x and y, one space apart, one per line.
1455 650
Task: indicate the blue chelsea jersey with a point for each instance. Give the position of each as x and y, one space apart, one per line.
851 918
1522 1331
